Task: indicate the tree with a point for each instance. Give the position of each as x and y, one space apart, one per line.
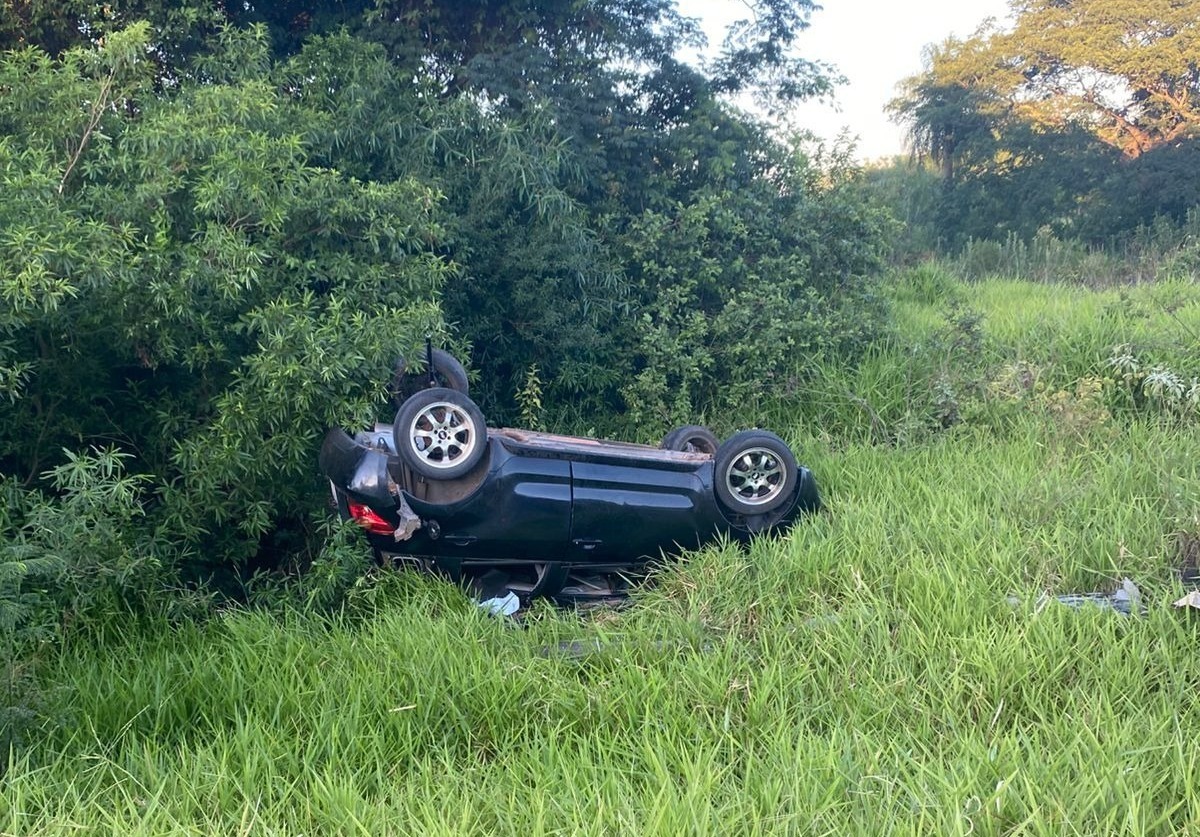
177 278
949 106
1129 70
1047 123
587 120
521 50
743 283
179 29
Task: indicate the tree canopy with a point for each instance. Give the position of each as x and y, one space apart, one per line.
1128 71
1059 117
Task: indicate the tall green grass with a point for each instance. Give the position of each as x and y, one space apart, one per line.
1064 332
1162 250
866 673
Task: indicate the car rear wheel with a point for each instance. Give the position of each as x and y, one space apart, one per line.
691 438
755 472
447 372
440 433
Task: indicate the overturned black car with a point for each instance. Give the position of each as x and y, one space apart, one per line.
560 514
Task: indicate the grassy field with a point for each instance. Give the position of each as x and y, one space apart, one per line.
866 674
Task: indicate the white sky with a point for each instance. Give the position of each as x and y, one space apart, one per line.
874 44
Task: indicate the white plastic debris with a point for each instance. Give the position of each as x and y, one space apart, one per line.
409 522
502 605
1191 600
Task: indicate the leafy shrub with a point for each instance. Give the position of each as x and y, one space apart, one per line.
1079 412
340 570
81 551
1161 250
1043 258
911 190
79 559
953 376
1184 264
899 392
1156 388
529 398
177 277
735 288
1086 407
929 283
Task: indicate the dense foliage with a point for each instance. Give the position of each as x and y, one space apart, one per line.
1082 117
180 280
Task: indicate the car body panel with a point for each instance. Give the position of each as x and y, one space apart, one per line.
521 510
621 510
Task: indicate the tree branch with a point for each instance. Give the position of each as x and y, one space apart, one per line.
98 108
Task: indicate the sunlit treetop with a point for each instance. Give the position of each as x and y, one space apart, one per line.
1126 70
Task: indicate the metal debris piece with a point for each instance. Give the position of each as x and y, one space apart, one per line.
1126 600
409 522
1191 600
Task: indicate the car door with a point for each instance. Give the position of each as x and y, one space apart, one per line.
522 513
626 511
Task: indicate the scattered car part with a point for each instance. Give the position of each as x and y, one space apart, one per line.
1126 600
1191 600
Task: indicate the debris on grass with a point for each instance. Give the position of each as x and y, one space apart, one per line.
1191 600
1187 558
502 605
1126 600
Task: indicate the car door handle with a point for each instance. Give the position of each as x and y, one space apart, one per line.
461 540
587 544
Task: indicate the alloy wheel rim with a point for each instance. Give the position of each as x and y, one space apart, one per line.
442 434
755 476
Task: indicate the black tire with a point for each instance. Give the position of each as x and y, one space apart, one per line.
755 472
440 433
691 438
447 372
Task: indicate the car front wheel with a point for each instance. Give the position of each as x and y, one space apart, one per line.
440 433
755 472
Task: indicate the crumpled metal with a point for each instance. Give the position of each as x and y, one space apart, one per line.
409 522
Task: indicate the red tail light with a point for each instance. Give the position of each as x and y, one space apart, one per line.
368 519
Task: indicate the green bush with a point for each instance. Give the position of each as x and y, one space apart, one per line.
1044 258
929 283
78 559
911 190
177 278
735 287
